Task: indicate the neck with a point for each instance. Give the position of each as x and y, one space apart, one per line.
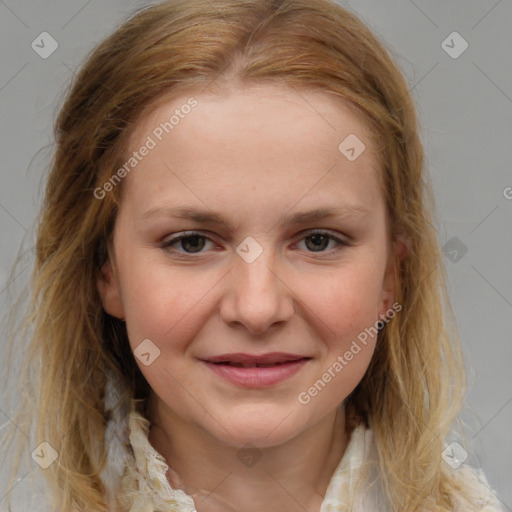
221 478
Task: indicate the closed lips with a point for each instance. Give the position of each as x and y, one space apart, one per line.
255 361
254 365
256 370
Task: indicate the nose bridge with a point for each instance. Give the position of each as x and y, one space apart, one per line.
256 268
258 298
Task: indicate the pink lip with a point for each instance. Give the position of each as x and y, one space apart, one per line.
255 377
240 357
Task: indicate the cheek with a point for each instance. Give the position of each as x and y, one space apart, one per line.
346 304
163 303
346 300
167 308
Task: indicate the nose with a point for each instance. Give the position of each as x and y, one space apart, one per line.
257 295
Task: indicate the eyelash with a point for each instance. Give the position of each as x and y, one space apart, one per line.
167 245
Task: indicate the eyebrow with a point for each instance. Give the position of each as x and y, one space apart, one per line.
211 217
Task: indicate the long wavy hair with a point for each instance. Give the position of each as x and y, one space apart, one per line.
414 387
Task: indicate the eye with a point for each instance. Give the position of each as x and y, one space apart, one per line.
318 241
192 242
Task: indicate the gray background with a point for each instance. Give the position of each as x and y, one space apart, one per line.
464 106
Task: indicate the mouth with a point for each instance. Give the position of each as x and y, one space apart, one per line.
256 370
269 358
251 365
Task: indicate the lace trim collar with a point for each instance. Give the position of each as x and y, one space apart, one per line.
151 468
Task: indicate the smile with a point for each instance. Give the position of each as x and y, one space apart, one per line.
256 375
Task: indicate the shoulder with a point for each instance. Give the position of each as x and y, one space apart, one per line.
475 494
470 491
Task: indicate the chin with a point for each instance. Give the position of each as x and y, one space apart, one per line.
258 427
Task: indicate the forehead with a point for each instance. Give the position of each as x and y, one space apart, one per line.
264 104
279 138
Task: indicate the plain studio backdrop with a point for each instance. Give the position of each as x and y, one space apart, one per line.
456 58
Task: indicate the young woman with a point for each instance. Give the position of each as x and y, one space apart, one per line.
238 299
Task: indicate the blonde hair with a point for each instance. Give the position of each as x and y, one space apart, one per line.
414 386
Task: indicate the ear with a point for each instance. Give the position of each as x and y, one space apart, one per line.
398 251
108 288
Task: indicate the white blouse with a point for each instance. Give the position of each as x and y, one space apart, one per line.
143 486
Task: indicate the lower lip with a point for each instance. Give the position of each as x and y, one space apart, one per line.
255 377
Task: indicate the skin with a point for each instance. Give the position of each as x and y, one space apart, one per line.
253 156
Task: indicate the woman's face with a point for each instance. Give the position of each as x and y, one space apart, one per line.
244 175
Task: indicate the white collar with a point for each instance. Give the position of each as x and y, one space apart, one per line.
147 472
135 473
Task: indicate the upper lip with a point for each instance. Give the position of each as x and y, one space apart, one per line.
272 357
